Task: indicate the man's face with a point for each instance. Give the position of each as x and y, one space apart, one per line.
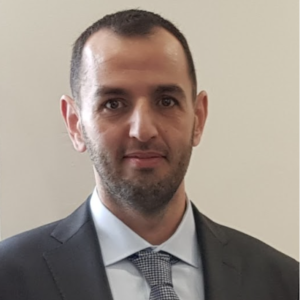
137 116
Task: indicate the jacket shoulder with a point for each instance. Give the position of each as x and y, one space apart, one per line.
32 242
46 237
24 272
255 254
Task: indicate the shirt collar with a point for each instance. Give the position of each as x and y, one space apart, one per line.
118 241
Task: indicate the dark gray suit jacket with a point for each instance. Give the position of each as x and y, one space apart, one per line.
62 260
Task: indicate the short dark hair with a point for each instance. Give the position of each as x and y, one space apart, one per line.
128 23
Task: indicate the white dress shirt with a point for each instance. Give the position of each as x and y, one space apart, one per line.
117 242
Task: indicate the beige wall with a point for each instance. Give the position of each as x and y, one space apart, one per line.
244 174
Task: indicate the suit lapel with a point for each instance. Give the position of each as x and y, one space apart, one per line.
221 264
76 265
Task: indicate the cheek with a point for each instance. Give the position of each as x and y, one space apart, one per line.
178 137
111 139
183 127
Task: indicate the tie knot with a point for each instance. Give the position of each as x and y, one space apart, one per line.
155 266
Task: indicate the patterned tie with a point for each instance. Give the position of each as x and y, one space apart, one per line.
156 268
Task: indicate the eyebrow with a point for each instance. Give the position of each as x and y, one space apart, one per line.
102 91
170 88
110 91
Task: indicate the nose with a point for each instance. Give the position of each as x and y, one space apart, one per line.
142 122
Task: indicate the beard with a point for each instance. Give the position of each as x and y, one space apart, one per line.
147 193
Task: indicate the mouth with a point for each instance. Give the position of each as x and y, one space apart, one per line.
144 159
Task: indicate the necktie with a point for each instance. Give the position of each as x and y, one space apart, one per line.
156 268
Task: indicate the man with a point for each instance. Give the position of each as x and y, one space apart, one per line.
136 112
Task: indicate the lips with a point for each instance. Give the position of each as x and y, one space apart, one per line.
144 155
144 159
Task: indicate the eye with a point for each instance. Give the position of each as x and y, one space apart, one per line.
113 104
167 102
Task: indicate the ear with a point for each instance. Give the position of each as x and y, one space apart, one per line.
71 116
200 108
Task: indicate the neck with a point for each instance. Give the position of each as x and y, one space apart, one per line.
154 229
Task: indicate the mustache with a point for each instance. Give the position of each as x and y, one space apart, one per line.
147 146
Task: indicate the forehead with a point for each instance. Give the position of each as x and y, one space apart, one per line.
159 56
